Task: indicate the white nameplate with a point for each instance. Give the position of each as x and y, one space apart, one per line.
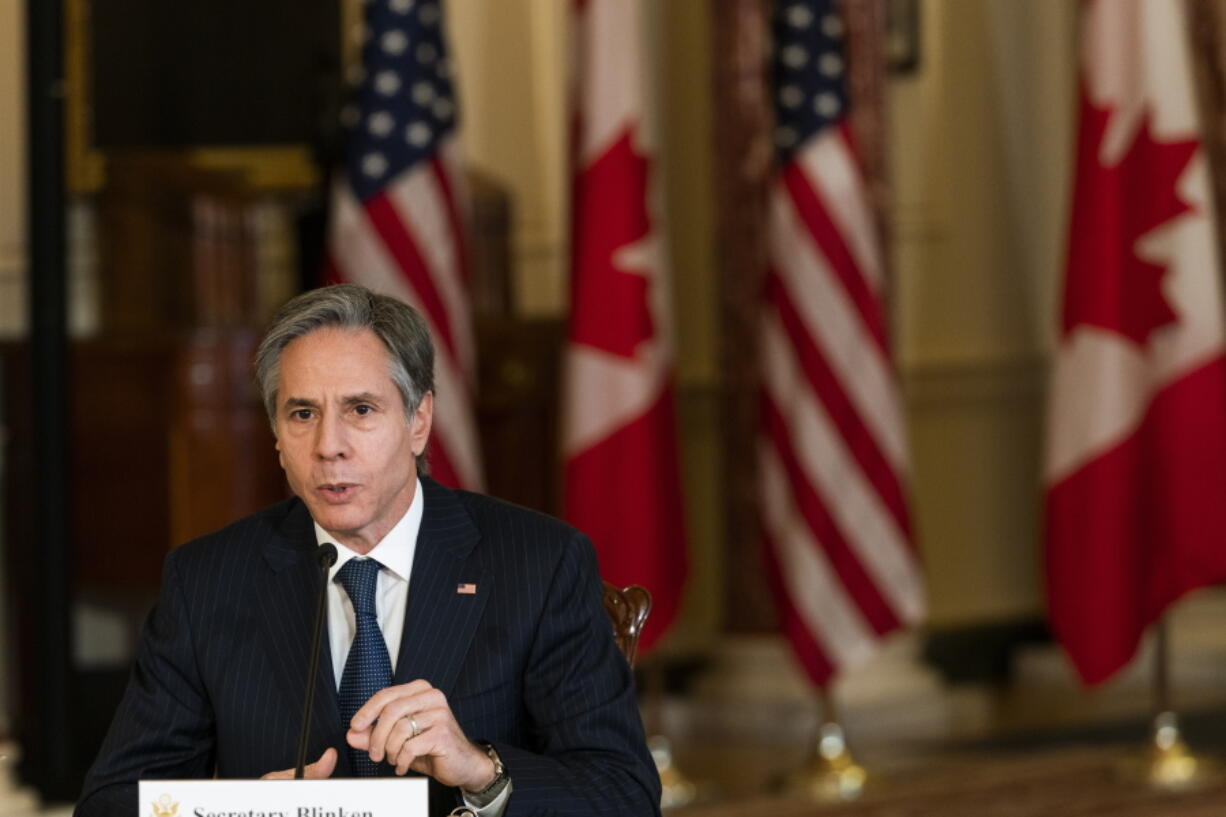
365 797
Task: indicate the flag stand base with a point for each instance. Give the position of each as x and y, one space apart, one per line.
832 775
14 800
676 789
1169 765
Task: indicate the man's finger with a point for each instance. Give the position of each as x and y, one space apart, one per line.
394 721
402 768
322 768
371 710
358 739
398 747
319 770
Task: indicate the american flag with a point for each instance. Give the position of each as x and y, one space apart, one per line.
833 451
396 223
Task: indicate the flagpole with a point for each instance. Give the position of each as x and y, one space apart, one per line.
1168 764
676 789
1161 668
831 774
1171 765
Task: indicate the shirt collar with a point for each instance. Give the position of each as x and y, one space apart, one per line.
394 551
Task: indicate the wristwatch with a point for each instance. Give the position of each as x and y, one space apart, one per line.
483 798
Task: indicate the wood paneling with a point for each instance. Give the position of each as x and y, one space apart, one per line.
168 441
221 459
517 409
745 152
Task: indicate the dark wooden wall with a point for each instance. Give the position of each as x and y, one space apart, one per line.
212 72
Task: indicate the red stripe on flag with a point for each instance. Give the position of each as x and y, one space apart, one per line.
820 215
793 625
387 222
812 508
441 467
625 494
1139 526
331 273
838 256
829 390
459 229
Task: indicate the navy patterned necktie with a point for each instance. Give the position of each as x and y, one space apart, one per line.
368 668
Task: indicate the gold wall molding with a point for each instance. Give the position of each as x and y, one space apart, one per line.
936 384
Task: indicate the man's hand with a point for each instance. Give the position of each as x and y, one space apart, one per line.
318 770
384 728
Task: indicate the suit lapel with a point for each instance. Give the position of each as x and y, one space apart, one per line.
440 620
288 606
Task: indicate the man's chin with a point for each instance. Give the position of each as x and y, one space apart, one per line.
338 524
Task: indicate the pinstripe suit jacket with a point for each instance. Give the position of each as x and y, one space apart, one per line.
527 663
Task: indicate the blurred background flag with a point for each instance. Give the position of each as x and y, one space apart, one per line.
833 450
397 218
619 437
1136 454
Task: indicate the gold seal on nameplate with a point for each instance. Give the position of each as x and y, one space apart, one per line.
165 806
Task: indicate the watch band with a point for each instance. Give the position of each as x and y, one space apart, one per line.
501 778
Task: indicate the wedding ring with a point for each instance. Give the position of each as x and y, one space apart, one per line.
413 725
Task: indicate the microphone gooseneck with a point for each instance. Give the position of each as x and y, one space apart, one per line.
325 557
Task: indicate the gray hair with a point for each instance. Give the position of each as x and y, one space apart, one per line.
348 306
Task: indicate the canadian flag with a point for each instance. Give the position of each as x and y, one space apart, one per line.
1136 457
619 437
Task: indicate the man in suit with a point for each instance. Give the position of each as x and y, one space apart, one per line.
467 636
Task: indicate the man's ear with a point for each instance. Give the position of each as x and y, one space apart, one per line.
277 446
420 423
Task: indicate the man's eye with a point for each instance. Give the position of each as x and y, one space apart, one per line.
301 414
363 409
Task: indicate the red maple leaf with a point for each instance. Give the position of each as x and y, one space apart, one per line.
1107 284
609 305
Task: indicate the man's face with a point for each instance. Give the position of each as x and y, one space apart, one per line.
347 449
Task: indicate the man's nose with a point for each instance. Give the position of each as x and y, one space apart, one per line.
330 439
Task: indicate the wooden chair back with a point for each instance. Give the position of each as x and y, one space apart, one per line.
628 608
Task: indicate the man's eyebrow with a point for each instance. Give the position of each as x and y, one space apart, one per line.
348 400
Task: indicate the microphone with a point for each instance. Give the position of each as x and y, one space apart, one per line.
325 557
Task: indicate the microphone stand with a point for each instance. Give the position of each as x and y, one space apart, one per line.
325 556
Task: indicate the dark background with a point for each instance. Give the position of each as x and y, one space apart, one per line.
222 72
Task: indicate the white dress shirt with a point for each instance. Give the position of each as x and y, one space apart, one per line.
395 552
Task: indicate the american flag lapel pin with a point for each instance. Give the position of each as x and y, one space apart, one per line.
466 589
